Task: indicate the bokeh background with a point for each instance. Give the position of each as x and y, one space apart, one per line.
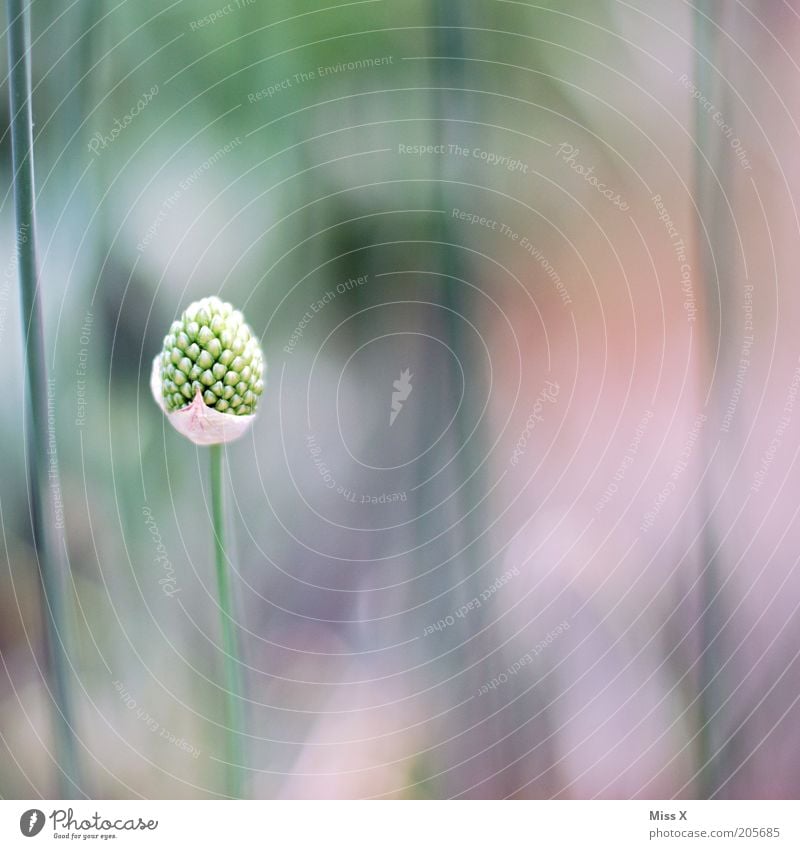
568 568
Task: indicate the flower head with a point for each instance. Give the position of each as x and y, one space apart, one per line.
210 373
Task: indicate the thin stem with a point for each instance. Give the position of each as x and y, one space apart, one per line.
468 430
234 714
42 471
711 759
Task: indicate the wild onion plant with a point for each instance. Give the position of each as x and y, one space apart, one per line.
42 480
207 380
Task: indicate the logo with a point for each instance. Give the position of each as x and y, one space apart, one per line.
403 389
31 822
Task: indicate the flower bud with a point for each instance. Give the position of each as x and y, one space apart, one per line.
210 374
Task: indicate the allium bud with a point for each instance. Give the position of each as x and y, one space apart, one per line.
210 374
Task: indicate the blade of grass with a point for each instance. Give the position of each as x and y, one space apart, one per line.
476 563
707 157
42 481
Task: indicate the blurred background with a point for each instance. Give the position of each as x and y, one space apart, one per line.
564 236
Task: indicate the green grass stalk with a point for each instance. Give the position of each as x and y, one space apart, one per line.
708 157
42 481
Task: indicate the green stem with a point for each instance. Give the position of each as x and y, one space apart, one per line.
234 714
711 761
42 471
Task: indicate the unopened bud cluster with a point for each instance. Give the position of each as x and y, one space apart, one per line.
211 351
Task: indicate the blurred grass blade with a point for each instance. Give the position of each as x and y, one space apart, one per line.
708 163
42 481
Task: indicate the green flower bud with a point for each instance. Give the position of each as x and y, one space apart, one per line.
194 354
210 373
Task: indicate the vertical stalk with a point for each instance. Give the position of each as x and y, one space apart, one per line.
710 212
448 73
43 482
448 42
234 719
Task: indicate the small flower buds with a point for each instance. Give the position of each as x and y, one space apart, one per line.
210 374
